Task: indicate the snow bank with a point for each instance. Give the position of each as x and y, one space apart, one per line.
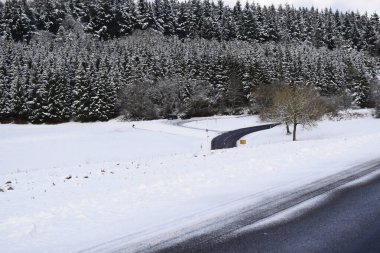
102 186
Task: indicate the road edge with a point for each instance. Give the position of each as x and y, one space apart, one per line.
212 230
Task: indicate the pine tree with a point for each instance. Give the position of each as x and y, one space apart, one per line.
58 102
195 17
318 38
157 15
237 15
127 19
20 94
144 15
222 17
6 98
347 28
168 18
77 9
102 23
356 38
16 23
273 34
370 36
182 27
246 80
219 77
103 95
330 32
37 102
82 95
49 15
360 89
263 29
234 94
249 24
207 23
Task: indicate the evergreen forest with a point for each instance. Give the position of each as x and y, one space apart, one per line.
94 60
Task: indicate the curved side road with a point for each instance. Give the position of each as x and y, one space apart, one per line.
229 139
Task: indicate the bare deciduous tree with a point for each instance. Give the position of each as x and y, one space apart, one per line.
263 99
298 105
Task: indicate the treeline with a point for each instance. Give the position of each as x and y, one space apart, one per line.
88 60
107 19
150 76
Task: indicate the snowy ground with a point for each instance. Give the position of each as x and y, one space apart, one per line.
224 123
79 185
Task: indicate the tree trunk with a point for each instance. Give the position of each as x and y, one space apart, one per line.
294 131
287 129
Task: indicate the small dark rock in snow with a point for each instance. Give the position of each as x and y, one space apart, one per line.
69 177
1 190
103 171
85 176
10 188
9 182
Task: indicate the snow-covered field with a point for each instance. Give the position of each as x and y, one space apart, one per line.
226 124
79 185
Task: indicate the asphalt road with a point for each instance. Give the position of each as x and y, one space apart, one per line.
348 222
229 139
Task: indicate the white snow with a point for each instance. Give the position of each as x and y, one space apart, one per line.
31 147
225 123
128 182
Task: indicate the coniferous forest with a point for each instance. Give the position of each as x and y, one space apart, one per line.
89 60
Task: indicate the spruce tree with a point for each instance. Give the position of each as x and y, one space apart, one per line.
144 15
6 97
82 94
182 27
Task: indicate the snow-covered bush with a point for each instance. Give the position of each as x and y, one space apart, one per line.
348 115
